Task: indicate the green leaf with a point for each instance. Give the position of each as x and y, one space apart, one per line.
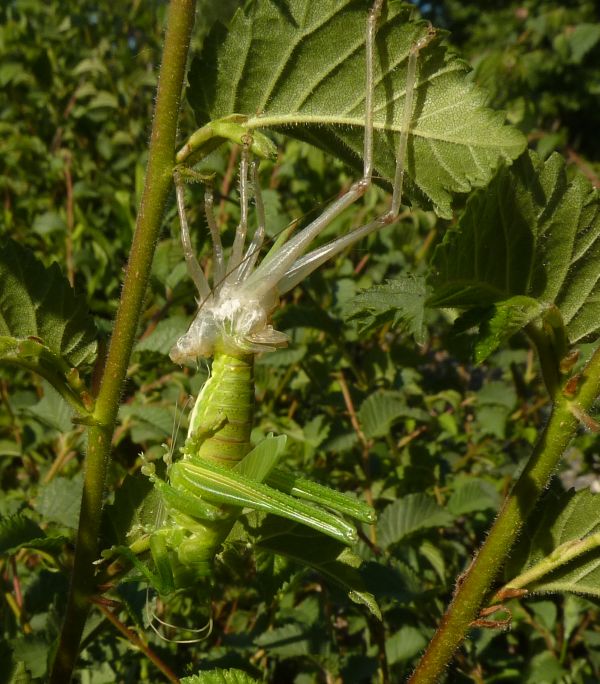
310 548
164 336
473 495
60 500
559 550
400 302
529 241
36 301
17 531
409 515
404 644
220 676
44 326
301 69
33 651
381 410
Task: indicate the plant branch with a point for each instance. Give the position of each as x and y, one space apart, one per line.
474 587
154 198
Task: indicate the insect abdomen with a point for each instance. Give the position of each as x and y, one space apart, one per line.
226 410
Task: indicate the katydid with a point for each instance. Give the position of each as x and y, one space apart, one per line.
219 473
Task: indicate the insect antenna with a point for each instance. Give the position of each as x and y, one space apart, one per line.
152 618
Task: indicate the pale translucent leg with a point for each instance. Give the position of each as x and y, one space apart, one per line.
253 250
218 258
235 258
193 267
264 279
306 264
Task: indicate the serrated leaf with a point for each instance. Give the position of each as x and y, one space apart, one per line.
302 69
404 644
409 515
473 495
400 302
36 301
310 548
381 410
33 651
503 320
532 233
220 676
59 500
17 530
164 336
560 546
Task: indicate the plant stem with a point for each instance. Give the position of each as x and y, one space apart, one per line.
154 198
472 589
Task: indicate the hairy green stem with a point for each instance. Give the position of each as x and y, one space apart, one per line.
156 190
473 588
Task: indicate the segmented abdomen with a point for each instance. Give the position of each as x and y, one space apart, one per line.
224 411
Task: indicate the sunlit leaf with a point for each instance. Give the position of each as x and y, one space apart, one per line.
409 515
561 543
220 676
400 302
529 241
300 67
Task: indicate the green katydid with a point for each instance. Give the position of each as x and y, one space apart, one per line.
219 474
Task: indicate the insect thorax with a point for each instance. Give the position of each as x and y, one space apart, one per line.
232 321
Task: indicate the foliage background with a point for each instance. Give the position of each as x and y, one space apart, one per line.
430 438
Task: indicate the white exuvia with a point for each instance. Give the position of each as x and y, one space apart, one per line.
234 315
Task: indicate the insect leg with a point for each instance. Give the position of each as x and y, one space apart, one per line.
240 234
292 484
193 267
218 259
264 279
306 264
219 485
254 248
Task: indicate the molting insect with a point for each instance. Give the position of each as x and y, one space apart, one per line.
220 473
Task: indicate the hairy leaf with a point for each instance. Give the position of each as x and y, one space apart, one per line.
381 410
408 515
38 302
310 548
301 68
220 676
400 302
20 532
560 547
60 499
529 241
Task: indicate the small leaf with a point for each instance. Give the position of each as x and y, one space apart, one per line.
38 302
381 410
531 240
409 515
59 501
404 644
400 302
17 531
473 495
220 676
164 336
301 69
313 549
560 546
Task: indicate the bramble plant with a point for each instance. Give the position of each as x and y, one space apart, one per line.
189 516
